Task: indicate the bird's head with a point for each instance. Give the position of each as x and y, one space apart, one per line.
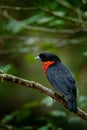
44 57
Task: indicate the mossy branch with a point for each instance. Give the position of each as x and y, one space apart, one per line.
40 88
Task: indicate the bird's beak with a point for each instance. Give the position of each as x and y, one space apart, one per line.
37 58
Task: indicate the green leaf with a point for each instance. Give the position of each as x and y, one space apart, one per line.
33 19
7 118
44 20
43 128
27 128
6 68
74 119
48 101
57 113
7 127
59 13
85 53
56 22
84 1
82 101
15 26
19 116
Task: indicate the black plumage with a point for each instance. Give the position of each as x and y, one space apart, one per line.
61 79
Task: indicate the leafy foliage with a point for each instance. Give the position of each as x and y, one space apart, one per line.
32 118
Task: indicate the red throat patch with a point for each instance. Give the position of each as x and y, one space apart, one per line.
46 65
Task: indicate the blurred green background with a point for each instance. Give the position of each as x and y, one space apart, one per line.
28 27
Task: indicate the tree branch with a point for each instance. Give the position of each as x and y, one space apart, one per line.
74 20
17 8
46 29
77 10
40 88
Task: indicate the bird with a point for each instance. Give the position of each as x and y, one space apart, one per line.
60 77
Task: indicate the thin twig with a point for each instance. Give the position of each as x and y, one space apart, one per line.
40 88
45 29
56 15
77 10
17 8
66 5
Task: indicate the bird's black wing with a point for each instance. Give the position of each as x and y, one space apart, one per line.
61 79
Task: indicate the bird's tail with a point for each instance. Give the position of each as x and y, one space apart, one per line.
72 105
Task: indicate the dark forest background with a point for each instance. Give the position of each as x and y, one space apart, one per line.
28 27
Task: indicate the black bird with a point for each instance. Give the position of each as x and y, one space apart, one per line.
60 78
